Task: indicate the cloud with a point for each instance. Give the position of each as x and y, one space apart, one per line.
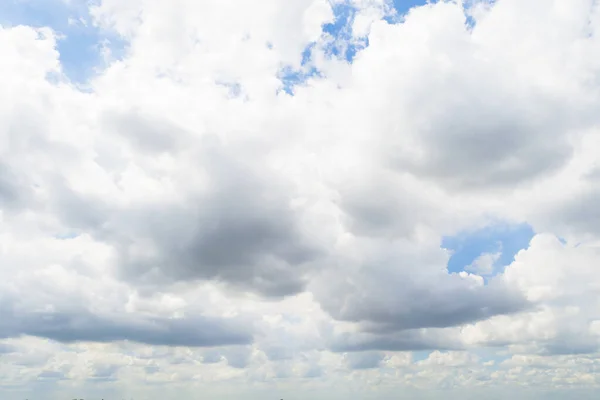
184 216
404 286
550 274
64 327
240 230
484 264
364 360
6 348
67 296
406 340
13 194
474 139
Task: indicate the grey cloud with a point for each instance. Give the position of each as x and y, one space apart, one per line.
8 188
490 148
78 211
151 369
104 372
570 340
283 370
30 358
280 343
593 176
236 356
314 371
472 122
579 214
576 215
145 132
573 346
409 340
241 231
82 325
364 360
7 348
404 301
447 307
391 298
278 352
211 356
14 192
51 375
380 207
30 153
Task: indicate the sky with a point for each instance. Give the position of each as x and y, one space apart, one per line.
298 199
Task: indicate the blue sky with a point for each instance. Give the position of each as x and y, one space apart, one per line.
507 238
193 273
342 43
80 42
467 246
79 49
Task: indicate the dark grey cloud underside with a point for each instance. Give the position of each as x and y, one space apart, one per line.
7 348
384 301
86 327
412 340
241 231
444 309
364 360
145 132
51 375
582 343
393 212
236 356
484 157
14 194
579 214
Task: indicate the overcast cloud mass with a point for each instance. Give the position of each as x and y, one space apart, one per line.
323 199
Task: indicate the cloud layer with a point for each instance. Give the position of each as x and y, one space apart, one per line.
258 194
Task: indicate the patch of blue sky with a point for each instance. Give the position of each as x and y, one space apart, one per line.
401 8
487 354
343 17
80 43
341 39
290 78
67 235
470 21
420 355
505 238
338 42
234 89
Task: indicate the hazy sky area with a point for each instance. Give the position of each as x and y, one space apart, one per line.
299 199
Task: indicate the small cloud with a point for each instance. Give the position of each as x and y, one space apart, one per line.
484 264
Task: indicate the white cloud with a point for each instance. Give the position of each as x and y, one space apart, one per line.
164 229
484 264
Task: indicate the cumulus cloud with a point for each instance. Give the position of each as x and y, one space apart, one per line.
484 264
387 295
79 326
187 196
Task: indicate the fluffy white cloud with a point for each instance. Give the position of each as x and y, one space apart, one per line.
182 223
484 264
